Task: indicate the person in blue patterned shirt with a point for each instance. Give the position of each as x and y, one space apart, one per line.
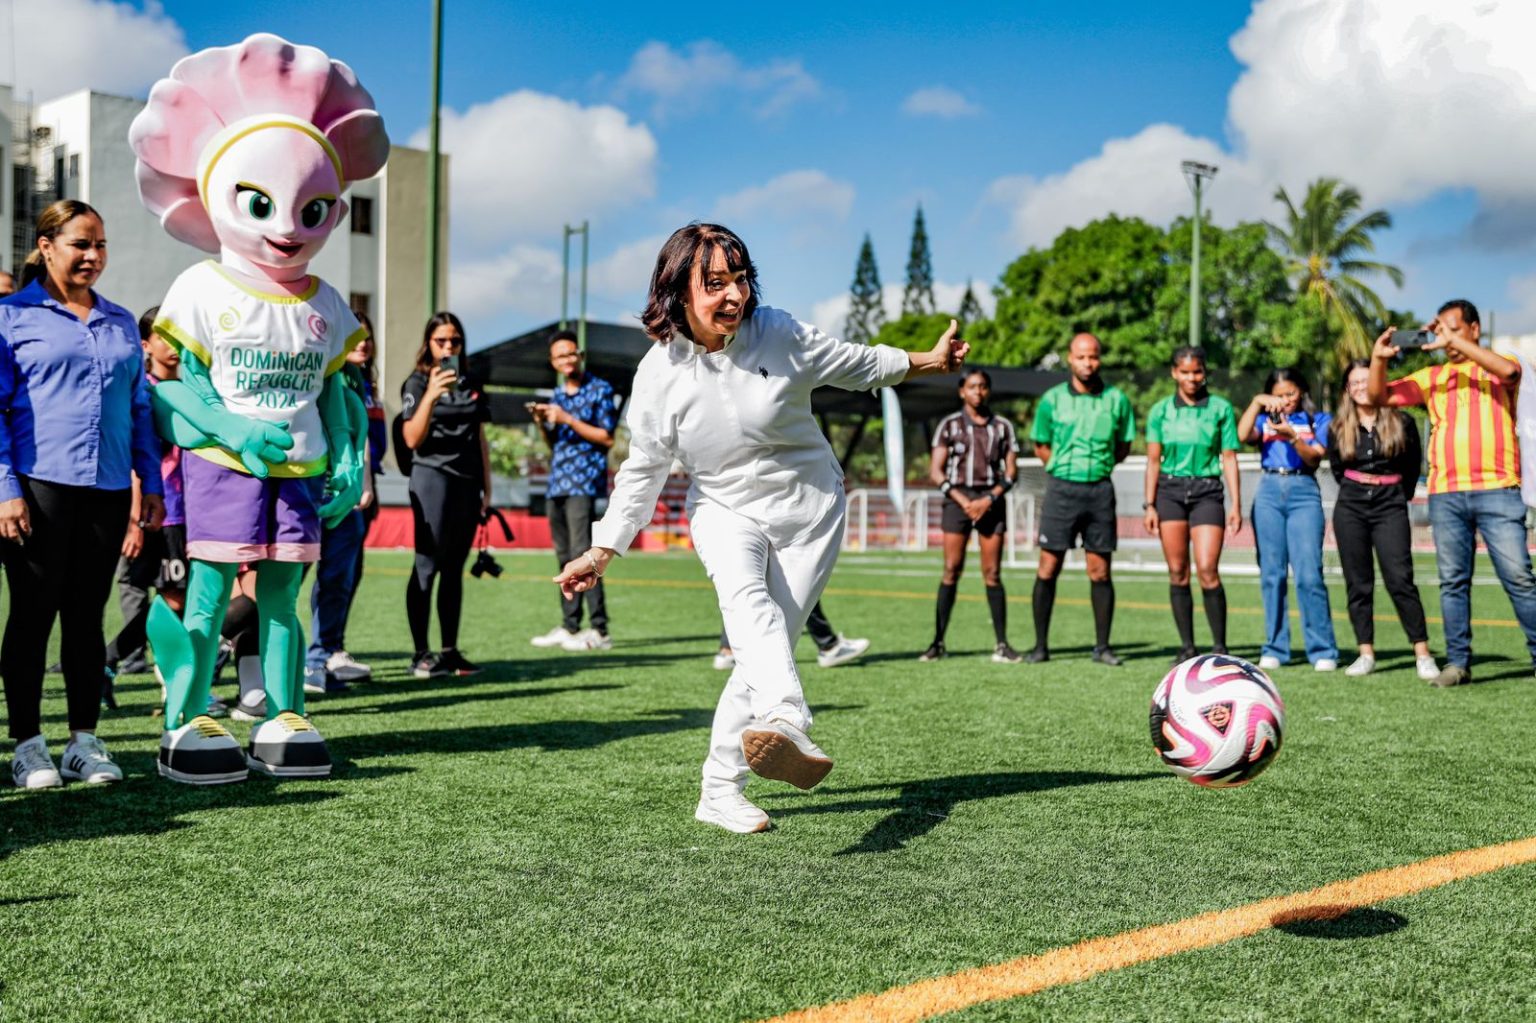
578 424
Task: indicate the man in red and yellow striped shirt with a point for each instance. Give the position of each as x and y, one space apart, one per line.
1474 472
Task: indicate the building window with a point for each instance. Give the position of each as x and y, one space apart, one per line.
362 215
361 302
74 165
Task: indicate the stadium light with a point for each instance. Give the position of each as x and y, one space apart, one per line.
1195 174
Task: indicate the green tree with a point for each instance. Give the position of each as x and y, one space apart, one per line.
915 332
917 299
1322 243
970 310
866 311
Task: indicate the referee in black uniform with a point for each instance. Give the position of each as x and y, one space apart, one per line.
975 462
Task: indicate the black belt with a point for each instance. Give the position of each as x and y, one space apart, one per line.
1287 472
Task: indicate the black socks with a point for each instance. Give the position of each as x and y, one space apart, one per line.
997 601
1183 604
941 614
1103 596
1216 614
1044 600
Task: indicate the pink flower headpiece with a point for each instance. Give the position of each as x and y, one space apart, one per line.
215 98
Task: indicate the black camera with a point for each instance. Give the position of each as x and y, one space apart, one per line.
485 565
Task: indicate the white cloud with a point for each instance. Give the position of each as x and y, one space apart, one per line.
680 82
625 273
1522 318
797 195
525 279
1400 98
830 313
938 101
527 163
62 46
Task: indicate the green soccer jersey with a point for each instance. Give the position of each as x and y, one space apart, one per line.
1193 436
1082 430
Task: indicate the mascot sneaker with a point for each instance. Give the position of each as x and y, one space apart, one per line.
781 752
201 752
731 811
288 747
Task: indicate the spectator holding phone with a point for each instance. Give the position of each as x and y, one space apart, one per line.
1375 455
1474 471
1288 517
444 426
577 424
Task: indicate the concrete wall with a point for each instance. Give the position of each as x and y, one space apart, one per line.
8 155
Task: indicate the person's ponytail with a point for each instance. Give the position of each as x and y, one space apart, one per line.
32 269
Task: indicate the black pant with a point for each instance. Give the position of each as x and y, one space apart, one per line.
816 624
570 527
1366 517
63 571
446 510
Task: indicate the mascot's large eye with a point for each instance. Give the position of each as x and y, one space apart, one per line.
254 201
315 211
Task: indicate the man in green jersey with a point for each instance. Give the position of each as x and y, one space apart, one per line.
1082 429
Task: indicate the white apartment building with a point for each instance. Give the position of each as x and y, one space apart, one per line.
76 147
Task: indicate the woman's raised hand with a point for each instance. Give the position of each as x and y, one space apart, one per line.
950 352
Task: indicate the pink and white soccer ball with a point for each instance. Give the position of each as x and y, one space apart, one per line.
1217 720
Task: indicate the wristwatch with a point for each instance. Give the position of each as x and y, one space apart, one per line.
1145 505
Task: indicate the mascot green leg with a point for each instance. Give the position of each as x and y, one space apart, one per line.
194 749
285 745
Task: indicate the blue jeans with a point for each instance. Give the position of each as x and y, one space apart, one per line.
335 581
1288 522
1457 518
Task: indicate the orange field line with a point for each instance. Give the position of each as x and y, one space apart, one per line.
1030 974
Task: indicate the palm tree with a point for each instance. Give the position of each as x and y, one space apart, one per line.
1321 244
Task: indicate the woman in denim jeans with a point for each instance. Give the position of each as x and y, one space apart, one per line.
1288 517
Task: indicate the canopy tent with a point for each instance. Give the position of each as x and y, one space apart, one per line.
520 365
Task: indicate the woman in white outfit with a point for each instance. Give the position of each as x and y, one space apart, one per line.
726 393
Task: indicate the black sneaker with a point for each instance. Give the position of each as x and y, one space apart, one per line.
428 665
134 664
1182 656
1039 655
1005 654
454 663
935 652
1104 655
108 694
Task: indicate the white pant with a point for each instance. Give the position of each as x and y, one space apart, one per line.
766 594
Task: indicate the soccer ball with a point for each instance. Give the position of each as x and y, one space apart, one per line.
1217 720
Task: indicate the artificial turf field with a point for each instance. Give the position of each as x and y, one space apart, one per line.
520 845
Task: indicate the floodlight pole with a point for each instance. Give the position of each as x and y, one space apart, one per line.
1195 174
565 283
434 186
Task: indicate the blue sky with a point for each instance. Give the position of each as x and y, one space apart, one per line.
805 125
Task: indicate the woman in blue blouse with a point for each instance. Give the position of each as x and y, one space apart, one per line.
74 427
1288 517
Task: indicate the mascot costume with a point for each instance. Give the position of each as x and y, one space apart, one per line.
244 152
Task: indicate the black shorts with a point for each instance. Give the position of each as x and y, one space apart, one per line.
992 522
1200 500
162 563
1072 510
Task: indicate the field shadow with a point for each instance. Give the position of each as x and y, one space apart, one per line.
920 806
323 708
28 899
1337 923
1130 651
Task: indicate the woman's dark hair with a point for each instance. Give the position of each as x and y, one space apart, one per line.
424 353
1183 352
1290 375
49 223
976 371
665 313
147 322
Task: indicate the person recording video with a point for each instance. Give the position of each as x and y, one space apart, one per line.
444 415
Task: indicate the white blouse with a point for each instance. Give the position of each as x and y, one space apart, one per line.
739 421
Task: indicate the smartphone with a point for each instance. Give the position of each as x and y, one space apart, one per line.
1412 338
532 408
1277 417
455 363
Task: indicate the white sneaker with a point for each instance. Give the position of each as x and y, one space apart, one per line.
201 752
1364 665
32 767
314 681
1427 668
554 637
343 666
725 662
252 706
1325 664
1269 663
781 752
587 639
845 651
86 759
288 747
731 811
